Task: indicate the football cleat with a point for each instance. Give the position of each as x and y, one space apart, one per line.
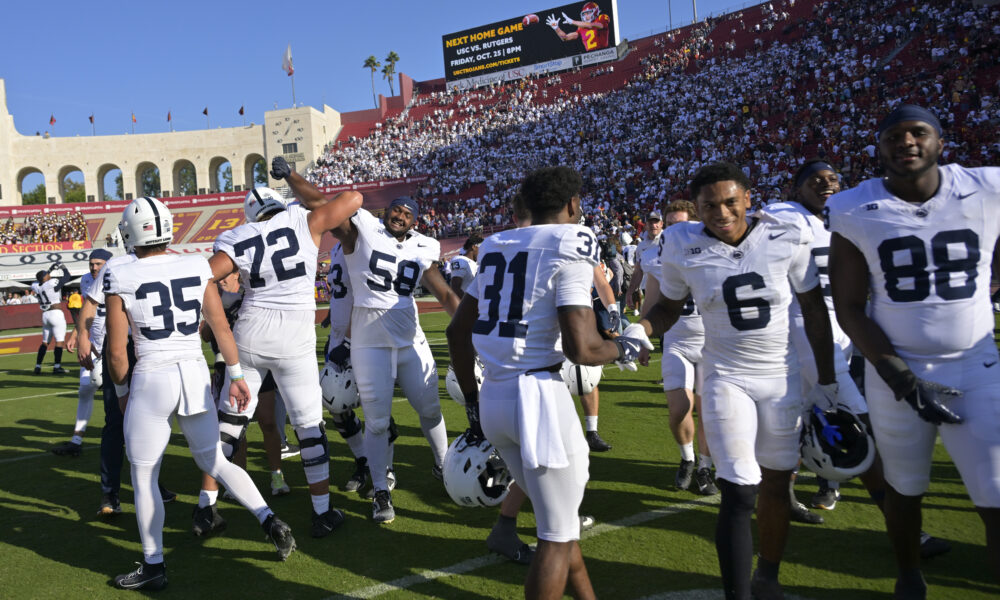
438 472
67 449
280 534
324 524
762 588
684 474
705 482
826 498
59 371
510 546
382 510
207 520
586 522
289 450
146 576
37 371
931 546
278 485
801 514
110 505
360 476
167 496
596 443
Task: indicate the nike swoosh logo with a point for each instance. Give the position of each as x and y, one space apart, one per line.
920 402
776 235
964 196
989 364
421 245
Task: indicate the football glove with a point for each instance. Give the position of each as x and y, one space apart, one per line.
615 319
280 168
831 433
926 397
823 396
475 433
566 19
341 354
552 21
629 343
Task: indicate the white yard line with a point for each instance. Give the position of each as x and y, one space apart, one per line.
490 559
39 396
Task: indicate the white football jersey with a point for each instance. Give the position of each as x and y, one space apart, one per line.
929 262
97 325
162 296
341 295
743 291
276 259
524 275
48 294
464 267
689 328
96 293
643 245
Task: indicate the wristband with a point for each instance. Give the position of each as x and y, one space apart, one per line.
121 389
621 349
218 358
235 372
896 375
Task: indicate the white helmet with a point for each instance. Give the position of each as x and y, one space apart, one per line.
580 379
474 474
261 201
451 382
146 222
340 392
848 452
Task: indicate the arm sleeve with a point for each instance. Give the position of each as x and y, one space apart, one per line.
572 283
63 279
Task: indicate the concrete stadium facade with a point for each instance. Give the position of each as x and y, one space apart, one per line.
299 134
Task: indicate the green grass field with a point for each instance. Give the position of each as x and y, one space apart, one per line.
650 542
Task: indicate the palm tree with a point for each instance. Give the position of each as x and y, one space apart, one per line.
372 63
390 69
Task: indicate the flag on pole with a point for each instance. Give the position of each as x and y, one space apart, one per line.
91 117
241 111
286 61
205 112
52 119
168 116
133 117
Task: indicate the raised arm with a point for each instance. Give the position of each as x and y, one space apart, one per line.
435 283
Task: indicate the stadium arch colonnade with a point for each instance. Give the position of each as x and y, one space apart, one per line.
173 154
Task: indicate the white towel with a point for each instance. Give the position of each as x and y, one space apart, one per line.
196 392
538 422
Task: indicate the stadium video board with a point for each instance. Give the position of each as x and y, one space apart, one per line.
554 39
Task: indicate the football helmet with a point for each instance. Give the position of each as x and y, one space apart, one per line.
146 222
589 12
451 382
474 474
340 392
581 379
836 445
262 201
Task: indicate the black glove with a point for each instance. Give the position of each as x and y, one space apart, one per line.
926 397
326 321
615 319
341 355
475 433
280 168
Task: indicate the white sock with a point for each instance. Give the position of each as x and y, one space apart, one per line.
207 498
704 462
76 439
687 451
833 485
591 423
321 503
357 444
154 559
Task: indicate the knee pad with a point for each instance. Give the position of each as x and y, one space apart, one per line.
393 430
347 424
232 429
314 452
737 498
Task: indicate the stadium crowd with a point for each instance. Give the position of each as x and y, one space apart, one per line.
67 227
638 146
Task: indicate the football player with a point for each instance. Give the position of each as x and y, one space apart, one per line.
275 253
592 29
161 298
463 267
742 273
387 259
650 237
681 368
533 289
49 292
919 242
90 379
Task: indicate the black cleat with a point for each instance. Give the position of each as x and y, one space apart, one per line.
510 546
67 449
915 589
59 371
324 524
382 510
685 472
360 476
390 480
207 521
280 534
587 522
167 496
596 443
37 371
801 514
110 505
762 588
931 546
826 498
437 471
146 576
705 483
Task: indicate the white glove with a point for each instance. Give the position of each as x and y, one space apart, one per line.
630 342
567 20
552 21
823 396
